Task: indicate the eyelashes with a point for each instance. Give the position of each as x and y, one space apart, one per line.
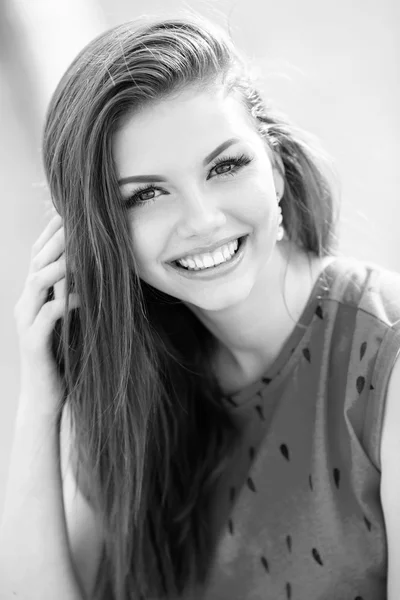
236 162
134 198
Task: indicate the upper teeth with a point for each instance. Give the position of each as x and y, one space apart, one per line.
210 259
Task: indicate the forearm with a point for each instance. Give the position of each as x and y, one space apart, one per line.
35 560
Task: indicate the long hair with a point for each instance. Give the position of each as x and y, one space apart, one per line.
150 430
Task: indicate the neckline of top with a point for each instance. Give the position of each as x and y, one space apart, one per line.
290 352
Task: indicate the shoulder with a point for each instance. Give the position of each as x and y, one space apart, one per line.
366 286
83 526
70 465
390 438
390 478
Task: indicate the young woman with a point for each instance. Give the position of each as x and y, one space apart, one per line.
224 382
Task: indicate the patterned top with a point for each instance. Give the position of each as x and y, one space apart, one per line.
300 510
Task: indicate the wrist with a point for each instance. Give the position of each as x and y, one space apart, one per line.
36 410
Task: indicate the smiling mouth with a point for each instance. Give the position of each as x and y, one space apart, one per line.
178 265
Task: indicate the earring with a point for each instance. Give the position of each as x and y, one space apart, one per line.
281 232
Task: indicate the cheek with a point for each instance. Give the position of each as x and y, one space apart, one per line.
148 241
259 201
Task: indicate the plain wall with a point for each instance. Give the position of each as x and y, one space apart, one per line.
332 67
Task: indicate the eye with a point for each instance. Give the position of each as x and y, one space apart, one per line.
229 165
142 195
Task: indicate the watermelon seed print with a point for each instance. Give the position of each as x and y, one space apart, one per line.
259 410
288 591
336 477
251 485
307 355
265 564
371 387
310 483
231 401
317 556
266 380
358 598
230 526
367 523
319 312
289 542
285 451
360 384
363 348
252 452
232 493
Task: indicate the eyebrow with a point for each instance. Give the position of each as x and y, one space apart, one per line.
159 178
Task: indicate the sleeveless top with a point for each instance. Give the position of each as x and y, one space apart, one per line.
299 510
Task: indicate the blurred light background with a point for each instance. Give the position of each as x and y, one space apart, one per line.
333 67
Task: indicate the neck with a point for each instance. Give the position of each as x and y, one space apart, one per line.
252 333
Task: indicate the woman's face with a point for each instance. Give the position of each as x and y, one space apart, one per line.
187 201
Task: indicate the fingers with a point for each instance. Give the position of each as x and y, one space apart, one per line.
50 251
49 314
59 289
47 234
35 340
47 270
35 316
35 291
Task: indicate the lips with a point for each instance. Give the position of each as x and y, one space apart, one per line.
212 273
205 249
179 266
226 259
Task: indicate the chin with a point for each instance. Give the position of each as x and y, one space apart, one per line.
220 299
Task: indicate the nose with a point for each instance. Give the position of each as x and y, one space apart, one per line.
201 215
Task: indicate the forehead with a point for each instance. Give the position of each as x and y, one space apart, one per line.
189 126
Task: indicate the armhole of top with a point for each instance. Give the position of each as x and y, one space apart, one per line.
388 352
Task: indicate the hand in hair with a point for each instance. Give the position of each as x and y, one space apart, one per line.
40 305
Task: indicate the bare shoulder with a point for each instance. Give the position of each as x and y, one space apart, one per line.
390 479
82 524
390 439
